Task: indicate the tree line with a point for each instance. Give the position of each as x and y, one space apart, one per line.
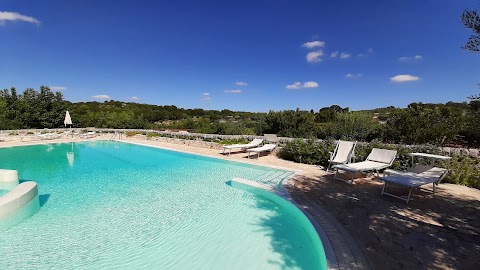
439 124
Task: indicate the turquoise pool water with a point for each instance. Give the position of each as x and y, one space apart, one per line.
112 205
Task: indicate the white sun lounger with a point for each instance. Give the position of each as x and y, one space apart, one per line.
254 143
90 134
415 177
342 154
377 159
266 148
418 176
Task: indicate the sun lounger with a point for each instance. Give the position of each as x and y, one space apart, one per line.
271 138
254 143
418 176
266 148
415 177
90 134
342 154
377 159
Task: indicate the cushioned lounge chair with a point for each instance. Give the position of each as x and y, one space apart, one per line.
266 148
415 178
342 154
377 159
254 143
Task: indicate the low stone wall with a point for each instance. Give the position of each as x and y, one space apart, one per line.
216 137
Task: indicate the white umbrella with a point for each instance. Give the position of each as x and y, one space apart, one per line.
68 119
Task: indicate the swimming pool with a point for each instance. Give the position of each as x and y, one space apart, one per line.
113 205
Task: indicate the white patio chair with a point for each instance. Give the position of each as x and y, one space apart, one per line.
342 154
377 159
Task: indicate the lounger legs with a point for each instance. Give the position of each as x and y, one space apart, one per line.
351 180
395 196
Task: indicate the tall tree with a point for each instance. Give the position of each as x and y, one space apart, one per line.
471 19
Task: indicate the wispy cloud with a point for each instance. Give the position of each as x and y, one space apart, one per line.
353 76
299 85
14 16
134 98
345 55
368 53
314 57
206 96
334 54
101 97
241 83
235 91
404 78
58 88
295 85
313 44
407 59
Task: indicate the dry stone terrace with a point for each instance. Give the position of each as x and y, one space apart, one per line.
367 230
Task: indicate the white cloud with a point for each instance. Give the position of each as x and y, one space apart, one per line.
101 97
334 54
58 88
241 83
310 85
313 57
313 44
407 59
404 78
235 91
206 94
299 85
344 55
14 16
295 85
207 98
134 98
353 76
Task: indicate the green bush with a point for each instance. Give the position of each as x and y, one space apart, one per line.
234 141
309 152
131 133
464 171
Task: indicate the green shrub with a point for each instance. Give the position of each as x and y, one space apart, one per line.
153 134
464 171
309 152
131 133
234 141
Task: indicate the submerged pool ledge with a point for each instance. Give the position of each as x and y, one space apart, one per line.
18 204
281 197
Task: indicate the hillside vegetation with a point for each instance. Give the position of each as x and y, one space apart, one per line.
437 124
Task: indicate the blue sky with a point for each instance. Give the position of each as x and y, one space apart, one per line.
241 55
